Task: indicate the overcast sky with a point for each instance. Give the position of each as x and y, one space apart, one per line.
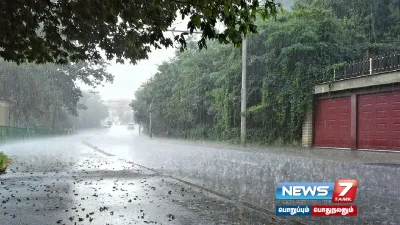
128 77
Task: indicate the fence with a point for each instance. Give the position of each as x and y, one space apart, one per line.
7 133
375 65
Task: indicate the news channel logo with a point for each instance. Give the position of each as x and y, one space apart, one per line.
340 191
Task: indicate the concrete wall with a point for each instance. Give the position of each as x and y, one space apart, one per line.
360 82
307 131
4 114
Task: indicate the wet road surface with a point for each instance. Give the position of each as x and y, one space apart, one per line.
180 182
68 181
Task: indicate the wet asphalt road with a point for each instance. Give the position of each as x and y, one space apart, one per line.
142 181
68 181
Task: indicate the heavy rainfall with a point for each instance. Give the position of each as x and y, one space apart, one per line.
128 112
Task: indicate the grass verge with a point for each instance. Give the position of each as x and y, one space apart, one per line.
5 161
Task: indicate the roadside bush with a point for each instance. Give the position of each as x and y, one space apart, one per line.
4 162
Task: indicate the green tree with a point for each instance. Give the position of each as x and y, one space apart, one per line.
63 30
375 22
92 113
44 95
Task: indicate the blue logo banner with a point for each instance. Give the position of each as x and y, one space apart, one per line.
304 191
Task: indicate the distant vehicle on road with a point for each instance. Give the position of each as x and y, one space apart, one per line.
106 124
131 126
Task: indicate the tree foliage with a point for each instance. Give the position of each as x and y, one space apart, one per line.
376 23
60 31
93 113
197 94
44 95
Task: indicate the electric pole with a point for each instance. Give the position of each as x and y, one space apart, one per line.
150 131
131 116
244 94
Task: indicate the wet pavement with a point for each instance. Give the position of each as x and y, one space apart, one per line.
68 181
180 182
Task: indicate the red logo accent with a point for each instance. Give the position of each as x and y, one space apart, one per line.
345 191
334 210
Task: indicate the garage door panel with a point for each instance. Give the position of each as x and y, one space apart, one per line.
381 113
332 119
343 130
396 143
378 121
396 112
396 127
381 127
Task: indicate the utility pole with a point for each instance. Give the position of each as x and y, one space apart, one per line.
244 95
131 120
54 117
150 131
55 112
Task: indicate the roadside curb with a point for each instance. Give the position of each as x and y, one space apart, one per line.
97 149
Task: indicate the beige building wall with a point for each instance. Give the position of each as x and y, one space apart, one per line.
4 114
307 134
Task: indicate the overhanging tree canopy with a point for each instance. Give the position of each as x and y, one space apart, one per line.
61 31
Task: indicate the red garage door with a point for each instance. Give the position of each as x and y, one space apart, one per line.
378 123
332 123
